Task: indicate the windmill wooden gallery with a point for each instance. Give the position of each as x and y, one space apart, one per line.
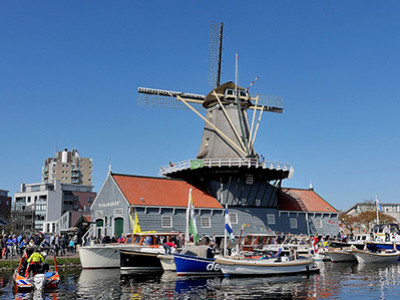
226 170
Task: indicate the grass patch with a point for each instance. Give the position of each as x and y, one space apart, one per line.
61 262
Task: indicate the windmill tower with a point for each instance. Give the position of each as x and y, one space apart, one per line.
227 164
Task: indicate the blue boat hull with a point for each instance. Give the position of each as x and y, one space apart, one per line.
377 247
192 265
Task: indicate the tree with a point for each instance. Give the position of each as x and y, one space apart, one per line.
364 221
347 221
367 219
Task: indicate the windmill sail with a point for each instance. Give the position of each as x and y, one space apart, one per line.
215 54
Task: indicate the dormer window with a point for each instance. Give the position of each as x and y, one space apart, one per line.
230 94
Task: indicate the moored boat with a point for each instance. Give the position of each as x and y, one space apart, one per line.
100 256
276 266
167 262
321 255
340 255
144 259
300 244
365 256
196 260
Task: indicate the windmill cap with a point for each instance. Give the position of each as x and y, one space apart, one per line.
212 100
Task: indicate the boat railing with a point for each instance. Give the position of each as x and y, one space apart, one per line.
84 237
225 162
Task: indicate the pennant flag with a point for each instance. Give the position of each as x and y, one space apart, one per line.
191 228
196 163
228 226
136 225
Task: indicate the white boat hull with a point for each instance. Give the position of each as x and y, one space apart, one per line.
167 262
258 267
102 256
340 256
364 257
321 256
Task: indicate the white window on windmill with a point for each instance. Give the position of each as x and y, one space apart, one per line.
293 223
166 221
229 94
243 96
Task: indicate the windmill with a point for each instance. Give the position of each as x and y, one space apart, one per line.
226 151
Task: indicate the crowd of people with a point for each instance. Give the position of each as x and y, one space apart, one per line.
14 244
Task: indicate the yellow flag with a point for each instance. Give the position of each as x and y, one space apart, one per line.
136 226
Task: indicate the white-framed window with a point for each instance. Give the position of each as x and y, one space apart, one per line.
293 223
233 217
166 221
205 222
271 219
318 223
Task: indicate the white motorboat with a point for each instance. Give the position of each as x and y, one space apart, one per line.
167 262
321 255
100 256
300 244
340 255
275 266
364 257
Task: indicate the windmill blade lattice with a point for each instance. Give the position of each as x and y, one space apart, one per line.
167 99
215 54
270 103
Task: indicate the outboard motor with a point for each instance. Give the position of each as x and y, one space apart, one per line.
38 281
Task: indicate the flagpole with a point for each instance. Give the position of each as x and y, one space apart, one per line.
225 250
377 211
187 235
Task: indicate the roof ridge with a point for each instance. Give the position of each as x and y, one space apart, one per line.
146 176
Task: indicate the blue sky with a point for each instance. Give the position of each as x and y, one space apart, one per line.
69 72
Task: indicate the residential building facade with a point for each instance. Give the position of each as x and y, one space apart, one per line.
42 204
68 167
5 204
391 209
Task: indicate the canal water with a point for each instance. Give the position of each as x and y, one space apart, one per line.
335 281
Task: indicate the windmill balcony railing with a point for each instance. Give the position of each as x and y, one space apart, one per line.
225 162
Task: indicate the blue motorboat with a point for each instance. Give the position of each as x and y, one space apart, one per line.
196 260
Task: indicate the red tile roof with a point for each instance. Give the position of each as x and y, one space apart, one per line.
162 192
303 200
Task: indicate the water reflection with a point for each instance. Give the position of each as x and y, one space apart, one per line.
335 281
287 287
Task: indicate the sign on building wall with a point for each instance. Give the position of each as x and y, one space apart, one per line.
118 212
98 213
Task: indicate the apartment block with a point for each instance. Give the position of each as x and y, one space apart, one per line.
68 167
5 204
39 206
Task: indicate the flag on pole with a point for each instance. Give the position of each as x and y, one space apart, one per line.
136 225
228 226
378 205
191 228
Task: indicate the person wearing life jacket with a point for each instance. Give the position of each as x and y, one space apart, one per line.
35 261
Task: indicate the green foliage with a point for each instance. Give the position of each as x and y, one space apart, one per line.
61 262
